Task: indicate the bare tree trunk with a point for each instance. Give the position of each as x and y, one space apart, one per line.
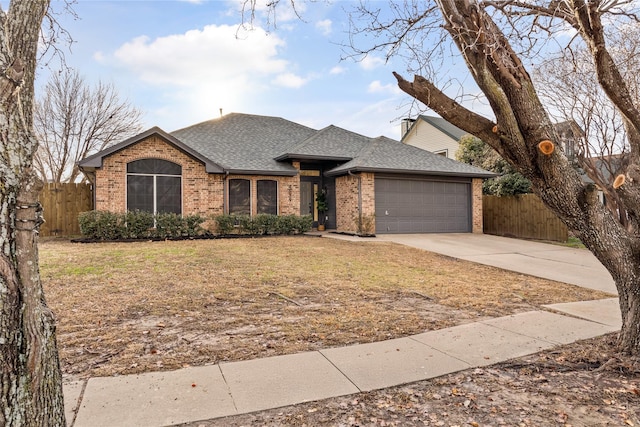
522 124
31 386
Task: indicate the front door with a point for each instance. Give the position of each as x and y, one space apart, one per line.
308 189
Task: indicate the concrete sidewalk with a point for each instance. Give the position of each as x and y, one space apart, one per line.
200 393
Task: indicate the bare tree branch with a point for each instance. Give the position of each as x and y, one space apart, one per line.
498 41
73 121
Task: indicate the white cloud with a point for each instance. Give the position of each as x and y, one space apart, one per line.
370 62
205 69
290 80
337 70
324 26
99 57
212 54
377 87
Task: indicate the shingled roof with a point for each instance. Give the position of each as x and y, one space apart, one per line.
442 125
383 154
252 144
245 143
330 143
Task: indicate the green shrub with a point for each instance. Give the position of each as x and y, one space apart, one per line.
225 224
286 224
246 225
139 225
88 224
265 224
293 224
101 225
168 225
305 223
192 225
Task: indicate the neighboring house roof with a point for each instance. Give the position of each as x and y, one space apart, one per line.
442 125
250 144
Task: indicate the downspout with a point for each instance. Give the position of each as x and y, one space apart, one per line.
359 177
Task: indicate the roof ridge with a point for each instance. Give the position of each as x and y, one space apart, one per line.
366 151
434 121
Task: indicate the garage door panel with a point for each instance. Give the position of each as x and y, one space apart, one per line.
422 206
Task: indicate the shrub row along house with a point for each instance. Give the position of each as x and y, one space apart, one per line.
249 164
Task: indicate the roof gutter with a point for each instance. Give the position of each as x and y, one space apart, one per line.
259 172
412 172
292 156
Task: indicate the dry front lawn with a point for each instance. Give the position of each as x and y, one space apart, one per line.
126 308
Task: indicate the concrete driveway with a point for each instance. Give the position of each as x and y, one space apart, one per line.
575 266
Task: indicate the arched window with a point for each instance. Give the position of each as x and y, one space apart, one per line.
154 185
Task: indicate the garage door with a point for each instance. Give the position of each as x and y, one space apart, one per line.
422 206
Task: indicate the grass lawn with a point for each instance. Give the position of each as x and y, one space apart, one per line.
136 307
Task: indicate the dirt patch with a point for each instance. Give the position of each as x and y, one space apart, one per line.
582 384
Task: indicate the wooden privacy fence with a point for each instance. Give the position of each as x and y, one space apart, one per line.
61 204
523 216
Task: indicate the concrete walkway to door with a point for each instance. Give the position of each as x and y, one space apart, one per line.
554 262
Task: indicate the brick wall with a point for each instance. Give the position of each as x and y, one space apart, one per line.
202 193
476 205
346 203
354 192
289 193
368 194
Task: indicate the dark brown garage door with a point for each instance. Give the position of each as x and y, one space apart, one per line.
411 205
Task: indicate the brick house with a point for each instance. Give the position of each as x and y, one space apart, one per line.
249 164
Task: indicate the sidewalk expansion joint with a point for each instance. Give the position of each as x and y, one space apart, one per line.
339 370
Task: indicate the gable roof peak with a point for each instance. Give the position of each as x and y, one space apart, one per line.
95 161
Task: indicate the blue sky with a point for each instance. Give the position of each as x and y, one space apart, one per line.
180 62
